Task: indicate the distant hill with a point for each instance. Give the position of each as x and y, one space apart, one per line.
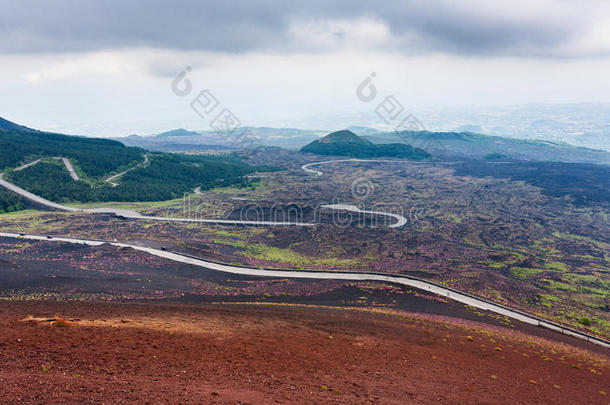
344 137
463 143
171 144
11 126
347 143
184 140
469 128
177 132
361 131
472 145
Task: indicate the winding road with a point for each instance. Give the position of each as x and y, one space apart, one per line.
136 215
400 220
33 197
128 213
65 161
450 293
414 282
307 169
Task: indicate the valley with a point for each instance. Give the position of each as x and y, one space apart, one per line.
491 236
521 246
270 202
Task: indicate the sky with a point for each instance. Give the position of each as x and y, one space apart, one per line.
116 67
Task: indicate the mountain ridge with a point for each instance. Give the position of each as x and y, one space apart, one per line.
474 145
11 126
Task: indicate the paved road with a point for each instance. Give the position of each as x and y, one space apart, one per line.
135 215
34 197
348 276
66 162
116 176
73 173
400 220
333 275
25 166
307 169
70 169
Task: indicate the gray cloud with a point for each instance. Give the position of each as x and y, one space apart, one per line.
417 26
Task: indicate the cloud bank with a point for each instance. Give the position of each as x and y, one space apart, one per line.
544 28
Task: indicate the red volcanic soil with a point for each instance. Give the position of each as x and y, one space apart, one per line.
234 353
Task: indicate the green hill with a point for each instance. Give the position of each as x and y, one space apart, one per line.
177 132
8 125
165 176
472 145
347 143
181 140
345 137
94 156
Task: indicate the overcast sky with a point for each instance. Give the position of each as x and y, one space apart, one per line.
106 67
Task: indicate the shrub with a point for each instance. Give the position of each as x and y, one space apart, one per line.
585 321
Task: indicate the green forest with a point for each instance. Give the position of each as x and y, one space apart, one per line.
95 156
167 176
10 201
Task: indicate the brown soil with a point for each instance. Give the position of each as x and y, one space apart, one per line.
233 353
